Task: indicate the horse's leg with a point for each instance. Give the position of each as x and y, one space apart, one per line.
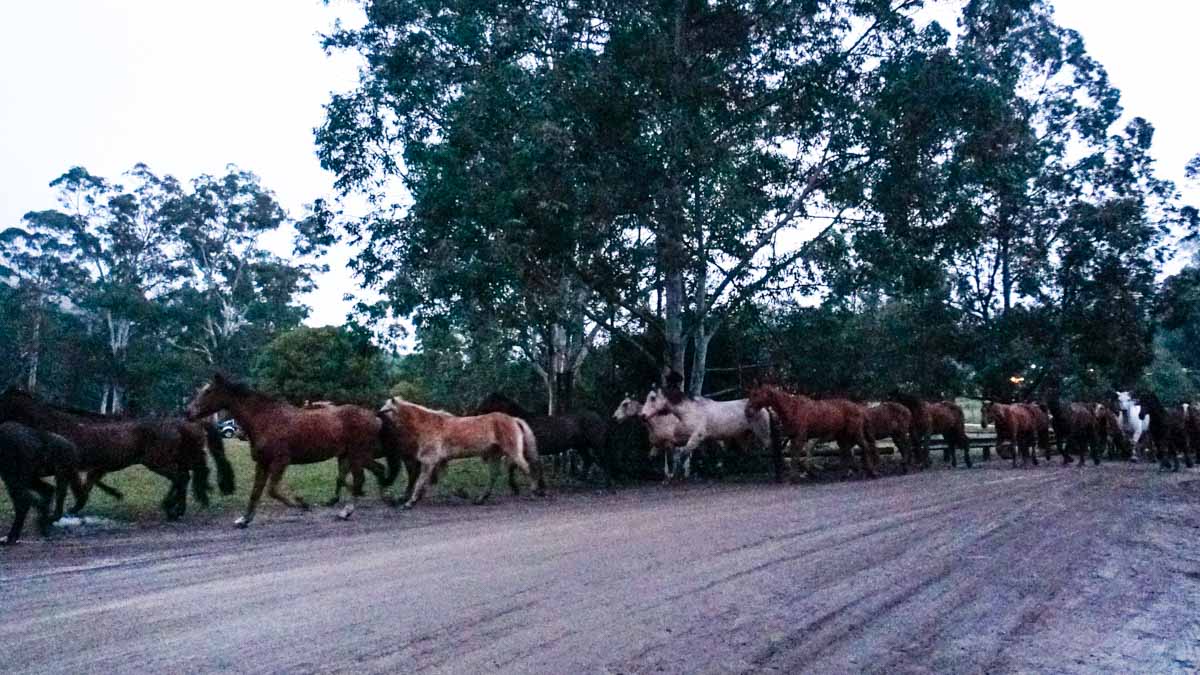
109 490
381 479
81 498
494 471
343 467
278 489
45 493
418 489
260 481
18 492
356 489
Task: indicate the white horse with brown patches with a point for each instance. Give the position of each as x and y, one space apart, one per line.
440 437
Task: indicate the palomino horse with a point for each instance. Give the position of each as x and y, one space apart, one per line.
1076 430
1015 426
583 431
171 448
804 419
26 455
894 421
1168 427
440 437
282 434
702 419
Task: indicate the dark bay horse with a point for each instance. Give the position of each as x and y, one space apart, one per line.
27 455
281 434
1077 431
1168 430
804 419
172 448
585 432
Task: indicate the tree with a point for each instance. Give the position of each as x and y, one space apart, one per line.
327 363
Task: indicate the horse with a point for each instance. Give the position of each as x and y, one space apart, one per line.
1168 428
583 431
804 419
1015 425
1133 423
703 419
664 434
937 417
171 448
282 434
26 455
894 421
441 437
1076 430
1108 429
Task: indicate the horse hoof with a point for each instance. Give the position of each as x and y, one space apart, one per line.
407 506
241 523
5 542
346 513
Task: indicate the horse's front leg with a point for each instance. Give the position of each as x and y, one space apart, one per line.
418 488
81 497
495 468
356 489
260 481
343 467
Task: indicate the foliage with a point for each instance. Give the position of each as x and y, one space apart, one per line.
327 363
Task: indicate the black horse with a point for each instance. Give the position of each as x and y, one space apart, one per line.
585 432
1168 429
26 456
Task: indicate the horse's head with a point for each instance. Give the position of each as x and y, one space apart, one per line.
628 408
760 397
656 404
987 414
216 395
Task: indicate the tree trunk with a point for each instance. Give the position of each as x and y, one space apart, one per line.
699 358
34 353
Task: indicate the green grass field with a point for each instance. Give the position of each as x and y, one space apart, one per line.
144 490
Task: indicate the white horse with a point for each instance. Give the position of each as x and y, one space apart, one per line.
702 419
665 432
1133 425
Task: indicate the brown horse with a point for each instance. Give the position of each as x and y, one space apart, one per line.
1108 429
937 417
27 455
894 421
804 419
1041 427
583 431
1169 430
172 448
1076 430
1015 426
282 434
441 437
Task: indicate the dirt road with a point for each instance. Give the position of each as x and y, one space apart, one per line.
989 570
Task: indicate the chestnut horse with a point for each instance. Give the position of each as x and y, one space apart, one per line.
281 434
937 417
894 421
440 437
172 448
804 419
1015 426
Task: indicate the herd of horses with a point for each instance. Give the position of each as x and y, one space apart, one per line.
40 440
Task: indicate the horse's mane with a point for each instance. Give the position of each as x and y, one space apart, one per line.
418 406
497 402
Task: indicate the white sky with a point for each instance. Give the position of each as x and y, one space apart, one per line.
188 87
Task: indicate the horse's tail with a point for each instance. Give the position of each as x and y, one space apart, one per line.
527 441
392 443
216 448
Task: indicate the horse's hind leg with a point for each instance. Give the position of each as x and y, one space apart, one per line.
278 490
21 500
343 467
356 490
494 471
45 493
81 497
260 481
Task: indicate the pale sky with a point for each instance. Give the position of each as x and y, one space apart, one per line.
188 87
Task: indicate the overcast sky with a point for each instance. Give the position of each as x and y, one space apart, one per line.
188 87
